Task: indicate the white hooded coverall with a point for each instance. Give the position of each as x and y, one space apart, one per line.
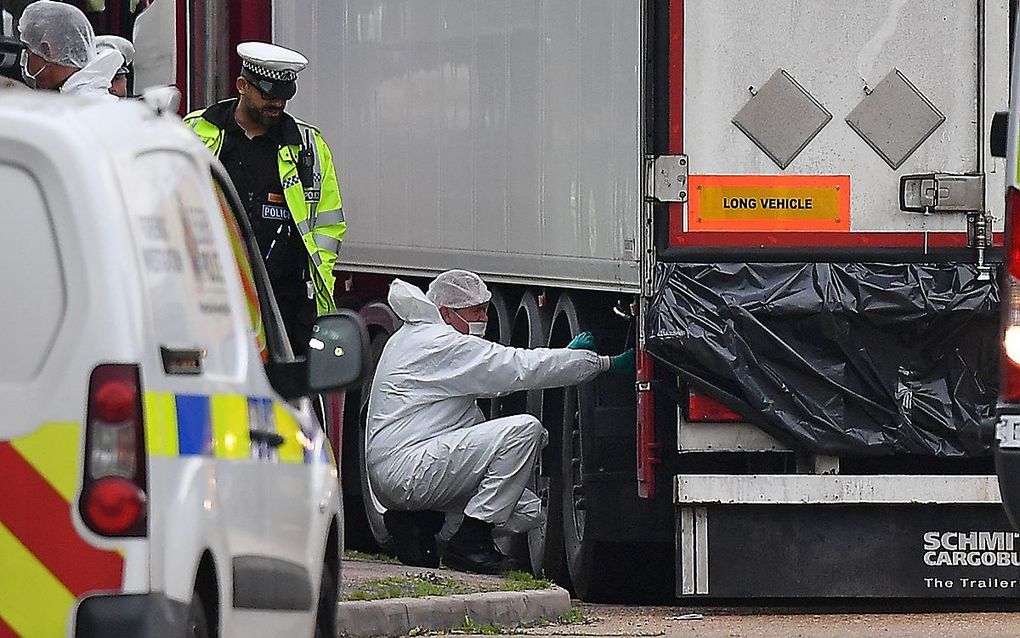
65 33
95 77
428 446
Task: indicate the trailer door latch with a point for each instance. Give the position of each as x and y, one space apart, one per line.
666 178
942 193
951 193
1007 432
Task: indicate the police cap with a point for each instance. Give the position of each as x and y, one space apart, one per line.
272 69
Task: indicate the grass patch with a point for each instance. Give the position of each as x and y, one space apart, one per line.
407 586
472 627
573 617
430 584
377 558
521 581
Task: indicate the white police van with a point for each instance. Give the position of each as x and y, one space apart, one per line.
159 473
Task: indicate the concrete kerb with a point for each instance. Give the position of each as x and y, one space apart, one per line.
398 616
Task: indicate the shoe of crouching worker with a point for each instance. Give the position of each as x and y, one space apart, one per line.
414 536
472 549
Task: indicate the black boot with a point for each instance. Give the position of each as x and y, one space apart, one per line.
471 549
414 536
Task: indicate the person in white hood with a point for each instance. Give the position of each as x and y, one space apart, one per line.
60 53
119 83
429 450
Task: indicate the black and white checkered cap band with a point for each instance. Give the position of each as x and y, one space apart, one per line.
270 74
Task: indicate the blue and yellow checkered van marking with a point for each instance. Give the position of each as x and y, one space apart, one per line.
220 425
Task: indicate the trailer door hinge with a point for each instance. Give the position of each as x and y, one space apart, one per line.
666 178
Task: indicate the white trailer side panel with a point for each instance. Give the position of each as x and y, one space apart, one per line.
501 137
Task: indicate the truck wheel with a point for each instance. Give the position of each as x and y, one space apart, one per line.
545 543
497 330
359 533
373 509
589 579
599 572
568 322
541 547
197 625
600 569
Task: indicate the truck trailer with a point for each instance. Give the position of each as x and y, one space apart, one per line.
791 210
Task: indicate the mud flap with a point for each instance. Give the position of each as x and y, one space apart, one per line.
856 551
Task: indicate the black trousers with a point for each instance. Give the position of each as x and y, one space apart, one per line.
298 317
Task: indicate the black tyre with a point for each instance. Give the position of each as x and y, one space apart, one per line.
325 613
567 323
498 330
362 519
578 547
600 561
544 545
198 624
373 509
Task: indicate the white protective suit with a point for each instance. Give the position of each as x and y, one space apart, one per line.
119 44
95 78
428 446
61 34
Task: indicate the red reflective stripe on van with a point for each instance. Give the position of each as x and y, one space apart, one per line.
41 521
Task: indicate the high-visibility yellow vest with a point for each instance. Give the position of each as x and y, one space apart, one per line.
317 209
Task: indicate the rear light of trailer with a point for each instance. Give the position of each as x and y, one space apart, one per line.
704 409
113 498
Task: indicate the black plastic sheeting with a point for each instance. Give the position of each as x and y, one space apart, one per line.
837 359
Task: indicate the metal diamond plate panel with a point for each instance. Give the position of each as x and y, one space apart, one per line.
782 118
895 118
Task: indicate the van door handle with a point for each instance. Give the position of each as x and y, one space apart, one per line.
272 439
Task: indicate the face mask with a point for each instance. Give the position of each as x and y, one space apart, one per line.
476 328
29 77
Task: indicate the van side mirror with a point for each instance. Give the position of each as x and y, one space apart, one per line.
338 352
998 135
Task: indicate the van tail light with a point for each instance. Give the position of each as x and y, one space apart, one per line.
704 409
113 497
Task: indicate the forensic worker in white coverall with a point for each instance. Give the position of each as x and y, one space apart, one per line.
60 52
430 451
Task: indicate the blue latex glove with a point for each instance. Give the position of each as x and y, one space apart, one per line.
624 363
583 341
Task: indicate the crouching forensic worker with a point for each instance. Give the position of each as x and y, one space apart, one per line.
430 452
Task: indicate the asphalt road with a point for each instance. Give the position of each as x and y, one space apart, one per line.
609 620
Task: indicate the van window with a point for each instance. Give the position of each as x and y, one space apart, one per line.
33 294
175 236
244 270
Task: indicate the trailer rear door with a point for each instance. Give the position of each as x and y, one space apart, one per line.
800 118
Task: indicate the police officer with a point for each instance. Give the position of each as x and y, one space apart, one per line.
284 173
